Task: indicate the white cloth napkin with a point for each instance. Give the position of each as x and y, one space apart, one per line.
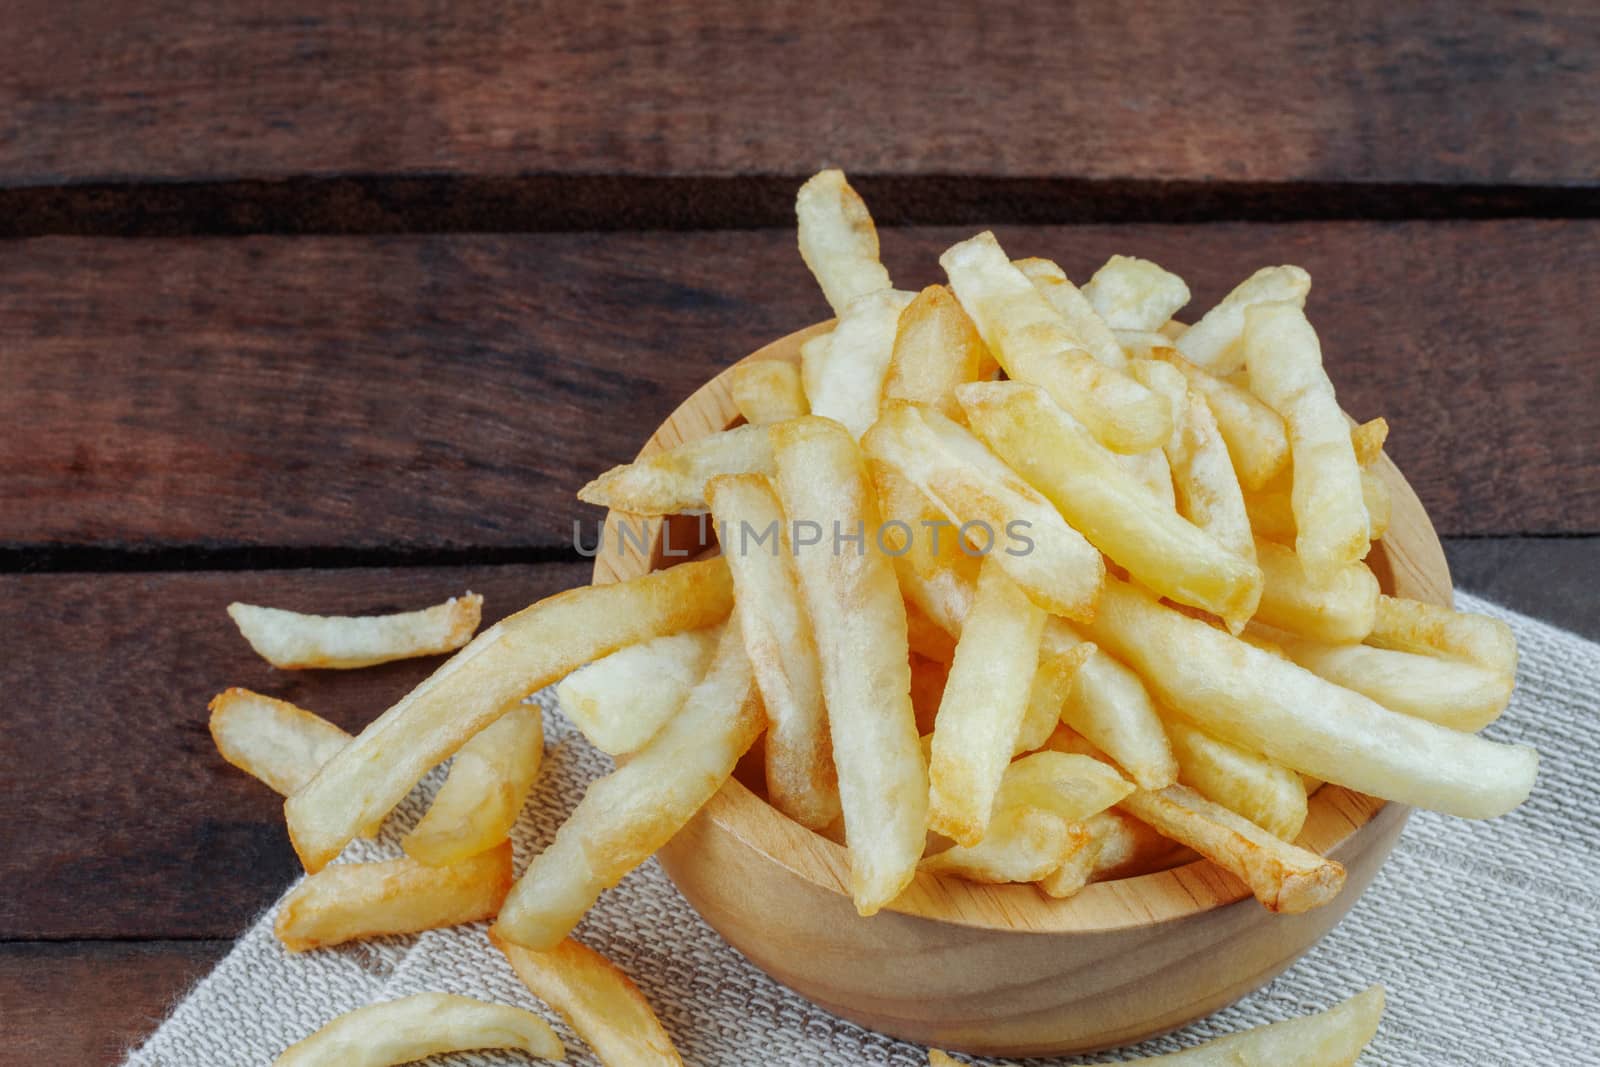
1486 934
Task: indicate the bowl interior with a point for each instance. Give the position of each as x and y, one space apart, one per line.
1408 562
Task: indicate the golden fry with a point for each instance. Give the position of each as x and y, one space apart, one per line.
674 481
489 781
982 709
290 640
1135 294
858 619
1412 626
349 901
1330 512
838 240
1333 1038
419 1026
272 740
616 714
936 348
597 1000
767 391
846 384
783 653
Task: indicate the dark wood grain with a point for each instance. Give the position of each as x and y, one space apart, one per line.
1432 92
1550 578
127 822
85 1003
448 395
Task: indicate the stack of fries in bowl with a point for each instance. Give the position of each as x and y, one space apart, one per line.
971 660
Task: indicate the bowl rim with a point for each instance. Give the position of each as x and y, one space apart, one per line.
1409 561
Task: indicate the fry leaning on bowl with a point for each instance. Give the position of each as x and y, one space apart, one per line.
1005 666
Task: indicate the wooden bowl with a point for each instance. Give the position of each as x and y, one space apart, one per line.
1005 970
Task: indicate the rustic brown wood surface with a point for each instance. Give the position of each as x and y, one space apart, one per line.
271 410
380 113
135 827
449 394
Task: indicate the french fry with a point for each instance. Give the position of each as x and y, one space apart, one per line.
814 364
801 781
1216 341
1453 693
838 240
1266 704
982 709
1257 442
419 1026
625 816
1077 867
1412 626
1340 608
767 391
1282 876
1285 362
1268 794
1333 1038
1057 672
349 901
517 656
936 348
1032 343
1089 331
847 386
616 714
1206 485
1060 458
597 1000
272 740
1135 294
1037 821
940 1059
858 619
1059 570
674 481
290 640
489 781
1367 441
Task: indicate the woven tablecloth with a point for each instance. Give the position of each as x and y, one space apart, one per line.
1486 934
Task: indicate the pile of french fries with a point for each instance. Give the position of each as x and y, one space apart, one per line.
1018 582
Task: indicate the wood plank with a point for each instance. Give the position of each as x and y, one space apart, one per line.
436 397
130 824
1434 92
86 1003
1550 578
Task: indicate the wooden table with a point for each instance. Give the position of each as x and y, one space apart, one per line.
334 305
